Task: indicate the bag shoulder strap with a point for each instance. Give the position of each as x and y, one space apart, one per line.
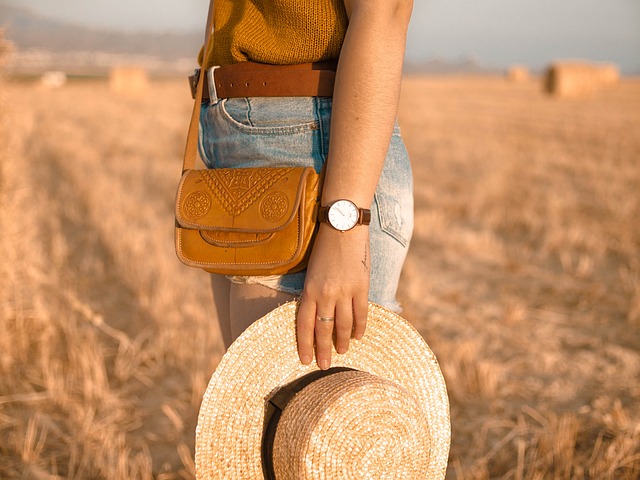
191 148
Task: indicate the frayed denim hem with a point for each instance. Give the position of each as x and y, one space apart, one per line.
274 282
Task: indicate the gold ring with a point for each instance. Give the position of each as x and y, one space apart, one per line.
325 319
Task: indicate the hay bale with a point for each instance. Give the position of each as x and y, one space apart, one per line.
53 79
609 74
128 80
518 73
579 79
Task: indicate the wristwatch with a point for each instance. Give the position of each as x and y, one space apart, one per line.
343 215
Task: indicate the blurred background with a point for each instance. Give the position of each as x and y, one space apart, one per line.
522 121
444 36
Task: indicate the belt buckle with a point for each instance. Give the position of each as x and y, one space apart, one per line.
213 94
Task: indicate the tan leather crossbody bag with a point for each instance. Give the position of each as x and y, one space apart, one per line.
243 221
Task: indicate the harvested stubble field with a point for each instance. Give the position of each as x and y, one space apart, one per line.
523 276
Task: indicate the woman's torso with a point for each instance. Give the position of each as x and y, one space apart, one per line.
279 32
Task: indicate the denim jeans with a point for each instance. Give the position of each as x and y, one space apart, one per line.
294 131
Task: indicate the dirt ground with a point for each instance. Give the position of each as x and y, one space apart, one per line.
523 276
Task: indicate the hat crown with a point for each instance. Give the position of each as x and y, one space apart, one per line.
352 425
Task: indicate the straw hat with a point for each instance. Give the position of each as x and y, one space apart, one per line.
381 412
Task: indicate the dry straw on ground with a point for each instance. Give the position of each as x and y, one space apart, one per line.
523 275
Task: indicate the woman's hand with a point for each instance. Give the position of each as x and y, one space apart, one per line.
337 285
365 103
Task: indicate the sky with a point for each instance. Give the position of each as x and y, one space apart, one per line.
496 33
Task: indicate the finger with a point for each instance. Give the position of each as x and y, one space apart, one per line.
360 312
344 322
324 338
305 329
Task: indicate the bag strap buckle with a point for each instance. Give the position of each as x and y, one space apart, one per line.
193 82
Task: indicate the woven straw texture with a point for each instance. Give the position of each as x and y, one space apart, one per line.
264 358
354 425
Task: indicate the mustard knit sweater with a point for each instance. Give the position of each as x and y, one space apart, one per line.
280 32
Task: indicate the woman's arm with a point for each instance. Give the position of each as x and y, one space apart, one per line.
365 104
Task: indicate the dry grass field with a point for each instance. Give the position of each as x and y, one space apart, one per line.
523 276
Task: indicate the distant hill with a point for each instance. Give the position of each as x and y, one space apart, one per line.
29 30
42 43
439 66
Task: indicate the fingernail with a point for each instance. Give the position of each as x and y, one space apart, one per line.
342 350
324 364
359 336
305 359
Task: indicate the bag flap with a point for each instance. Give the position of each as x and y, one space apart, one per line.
240 199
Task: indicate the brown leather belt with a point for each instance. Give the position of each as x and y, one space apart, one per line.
249 79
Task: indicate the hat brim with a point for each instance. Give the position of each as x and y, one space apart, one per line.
265 358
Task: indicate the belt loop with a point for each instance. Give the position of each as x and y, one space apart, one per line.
213 94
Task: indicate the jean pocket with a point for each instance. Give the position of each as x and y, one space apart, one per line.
394 193
396 216
281 115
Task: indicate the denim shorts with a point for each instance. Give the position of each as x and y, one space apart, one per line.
294 131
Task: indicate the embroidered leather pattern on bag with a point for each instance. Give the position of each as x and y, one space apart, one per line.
239 188
197 204
274 206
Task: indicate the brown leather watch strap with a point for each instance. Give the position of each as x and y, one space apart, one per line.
250 79
364 217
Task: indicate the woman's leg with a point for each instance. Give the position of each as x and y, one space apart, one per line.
249 302
239 305
221 287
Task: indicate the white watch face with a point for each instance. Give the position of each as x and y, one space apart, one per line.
343 215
